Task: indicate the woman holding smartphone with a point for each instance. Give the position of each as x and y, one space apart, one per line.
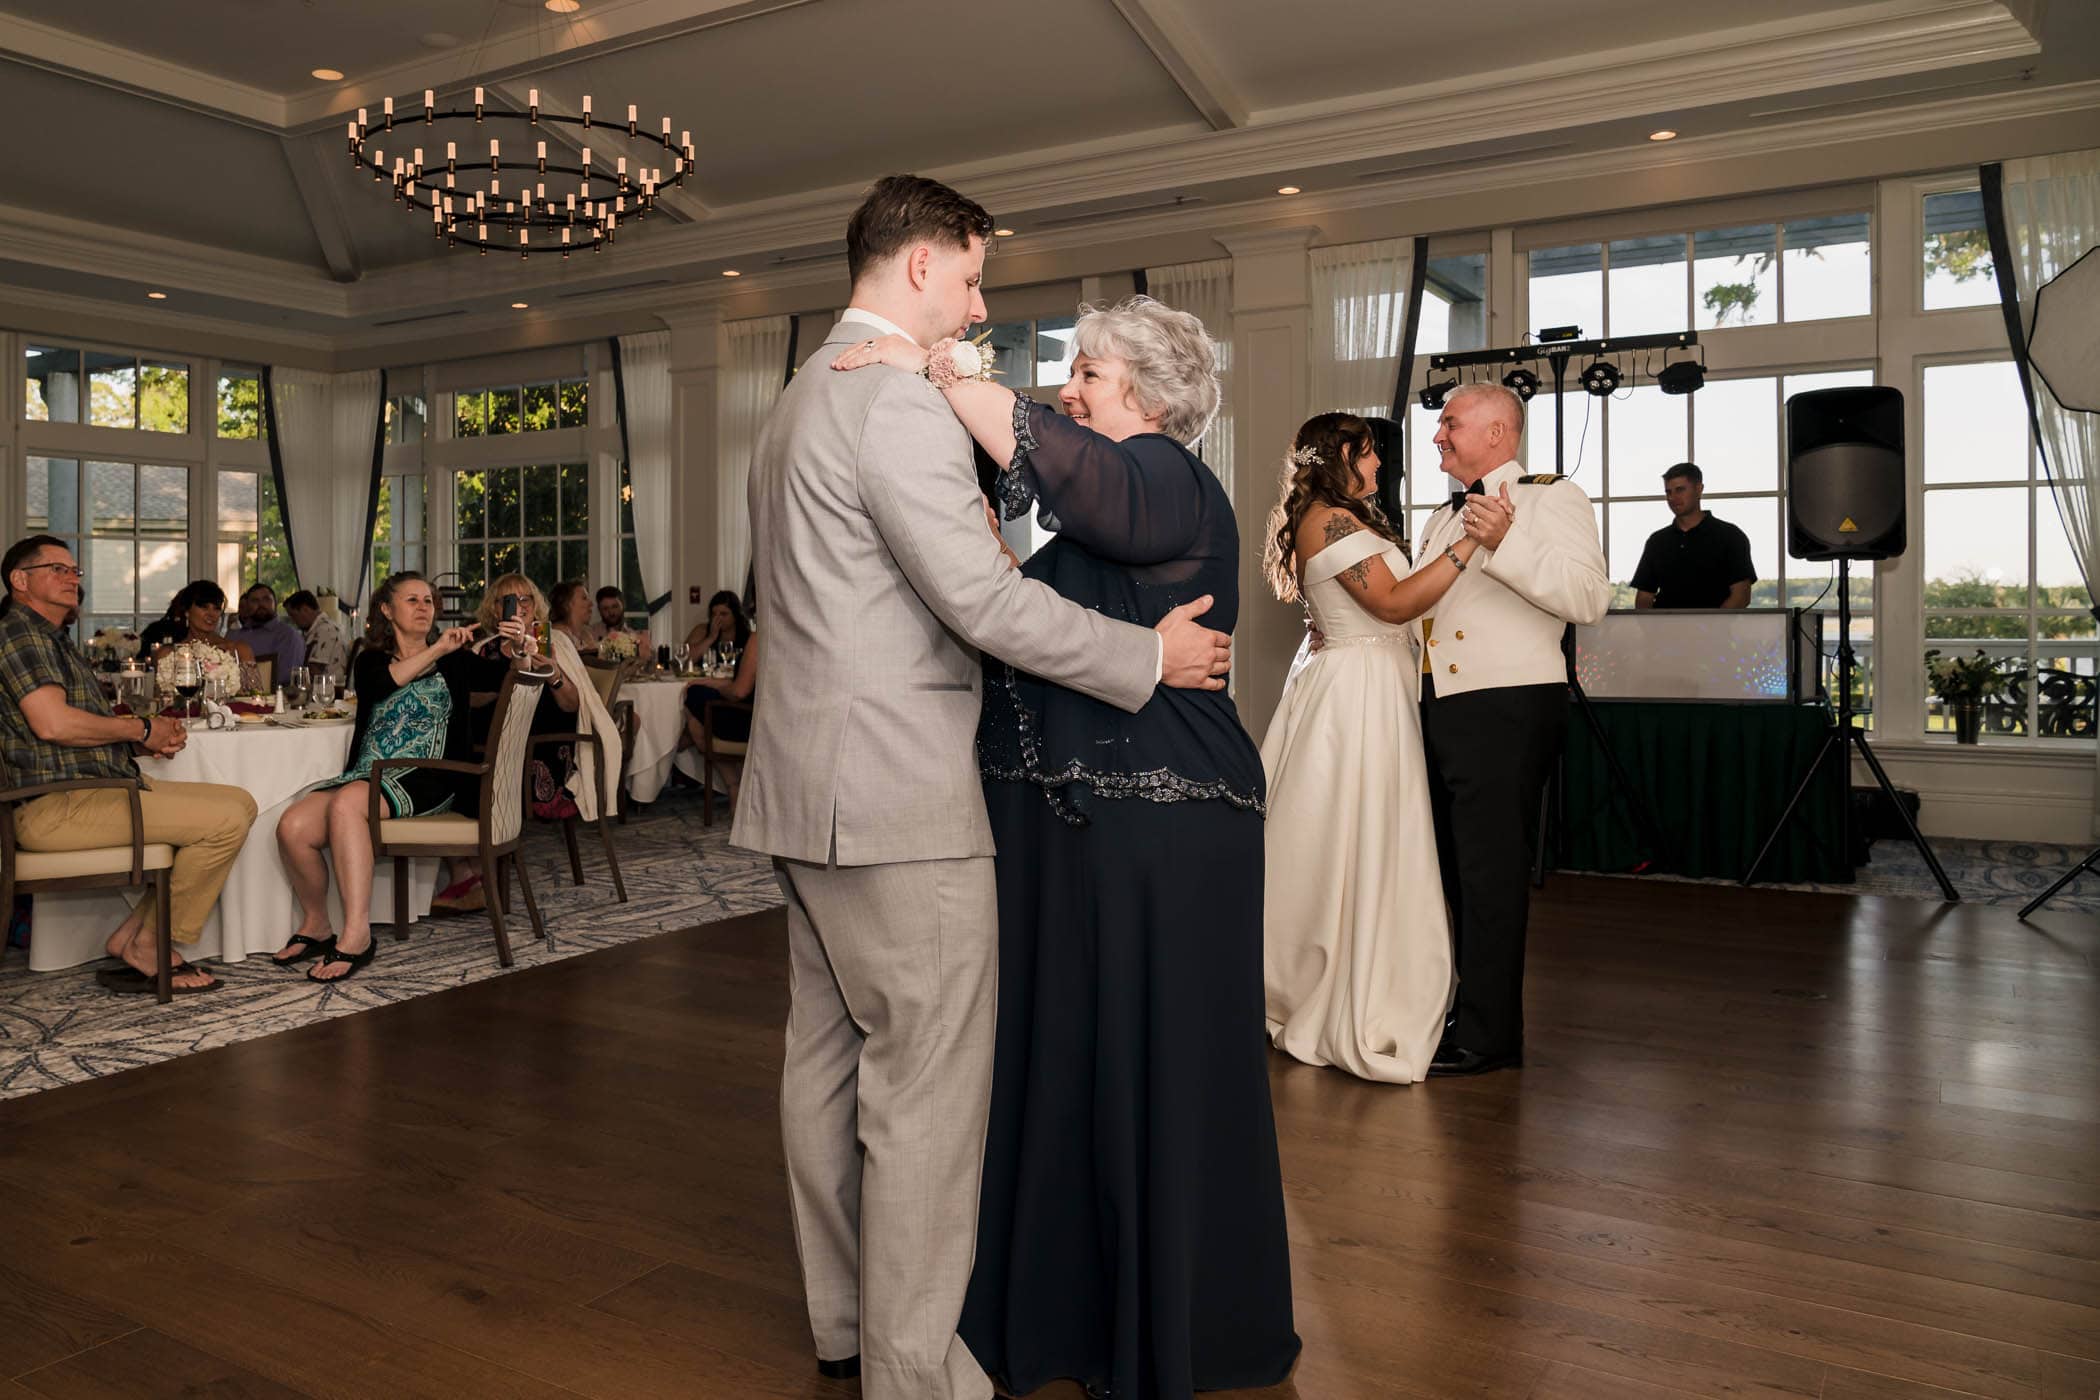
414 688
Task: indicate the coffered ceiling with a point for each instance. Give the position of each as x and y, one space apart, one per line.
188 148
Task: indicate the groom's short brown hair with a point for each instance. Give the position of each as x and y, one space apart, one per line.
902 210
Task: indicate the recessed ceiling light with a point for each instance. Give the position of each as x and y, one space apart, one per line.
1288 189
731 272
1002 233
564 7
519 305
328 75
157 296
1664 135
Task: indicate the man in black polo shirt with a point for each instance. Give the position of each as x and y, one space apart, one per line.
1695 561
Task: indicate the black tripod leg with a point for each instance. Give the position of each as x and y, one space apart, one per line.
1644 821
1807 781
2046 895
1917 838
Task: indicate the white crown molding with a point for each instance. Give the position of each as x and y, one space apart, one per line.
186 328
52 240
128 70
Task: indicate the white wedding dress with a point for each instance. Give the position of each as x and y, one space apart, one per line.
1357 946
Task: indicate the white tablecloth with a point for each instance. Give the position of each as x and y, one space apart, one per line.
256 912
659 718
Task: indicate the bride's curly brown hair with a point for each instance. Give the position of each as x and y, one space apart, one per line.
1321 471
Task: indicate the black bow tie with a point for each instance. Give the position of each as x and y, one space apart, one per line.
1458 498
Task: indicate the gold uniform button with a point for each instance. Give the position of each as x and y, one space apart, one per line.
1454 668
1432 641
1460 635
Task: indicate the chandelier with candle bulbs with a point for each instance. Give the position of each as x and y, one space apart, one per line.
525 203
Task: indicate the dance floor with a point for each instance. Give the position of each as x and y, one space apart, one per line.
1769 1144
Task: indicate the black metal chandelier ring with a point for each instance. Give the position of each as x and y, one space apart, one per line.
588 216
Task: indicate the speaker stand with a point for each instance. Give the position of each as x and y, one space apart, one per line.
2090 862
1842 739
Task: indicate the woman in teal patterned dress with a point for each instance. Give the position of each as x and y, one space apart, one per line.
412 702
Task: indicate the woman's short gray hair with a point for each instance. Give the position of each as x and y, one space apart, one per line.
1173 363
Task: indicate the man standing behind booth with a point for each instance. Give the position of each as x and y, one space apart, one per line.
1697 560
1495 705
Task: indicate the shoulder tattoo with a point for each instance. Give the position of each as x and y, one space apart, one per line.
1359 573
1340 525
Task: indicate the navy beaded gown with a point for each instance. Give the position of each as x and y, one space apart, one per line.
1131 1225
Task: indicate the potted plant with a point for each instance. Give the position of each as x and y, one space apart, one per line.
1965 682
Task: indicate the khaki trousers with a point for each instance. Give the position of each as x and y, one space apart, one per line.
893 976
205 823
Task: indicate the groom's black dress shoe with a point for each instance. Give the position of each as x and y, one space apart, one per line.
842 1370
1450 1061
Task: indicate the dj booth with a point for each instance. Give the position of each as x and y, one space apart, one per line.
1713 716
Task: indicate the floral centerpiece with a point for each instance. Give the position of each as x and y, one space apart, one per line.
111 647
1964 683
223 666
618 646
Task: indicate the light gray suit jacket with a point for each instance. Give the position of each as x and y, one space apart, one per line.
878 584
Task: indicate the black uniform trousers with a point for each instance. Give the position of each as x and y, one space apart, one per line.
1489 754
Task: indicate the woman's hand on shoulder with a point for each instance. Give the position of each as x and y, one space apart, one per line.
894 350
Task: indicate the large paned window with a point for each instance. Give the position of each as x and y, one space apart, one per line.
533 520
1031 354
106 389
633 590
1454 318
1957 252
127 523
1809 269
239 409
517 408
251 544
398 526
1999 574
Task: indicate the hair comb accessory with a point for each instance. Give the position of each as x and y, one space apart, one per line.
1306 457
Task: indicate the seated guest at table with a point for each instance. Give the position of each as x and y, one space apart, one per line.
570 611
324 640
413 692
1697 560
725 623
166 628
735 724
198 610
612 613
270 637
56 725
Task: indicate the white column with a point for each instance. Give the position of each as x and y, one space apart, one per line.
1272 340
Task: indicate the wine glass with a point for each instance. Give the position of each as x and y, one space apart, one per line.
323 691
295 687
188 676
682 654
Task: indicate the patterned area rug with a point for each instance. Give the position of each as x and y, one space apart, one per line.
61 1027
1983 872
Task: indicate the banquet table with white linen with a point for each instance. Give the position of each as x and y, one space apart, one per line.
659 721
256 912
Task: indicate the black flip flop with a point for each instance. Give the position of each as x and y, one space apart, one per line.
310 947
356 962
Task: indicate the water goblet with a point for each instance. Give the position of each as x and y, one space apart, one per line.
323 690
683 655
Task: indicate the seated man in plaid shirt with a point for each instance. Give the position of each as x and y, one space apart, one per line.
55 725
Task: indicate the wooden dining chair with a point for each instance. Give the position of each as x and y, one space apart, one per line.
716 752
610 678
608 797
491 838
142 864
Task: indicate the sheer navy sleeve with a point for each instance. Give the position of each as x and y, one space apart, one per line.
1132 502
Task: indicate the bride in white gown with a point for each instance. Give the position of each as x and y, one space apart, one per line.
1357 946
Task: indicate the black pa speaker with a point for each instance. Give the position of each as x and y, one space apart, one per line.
1844 473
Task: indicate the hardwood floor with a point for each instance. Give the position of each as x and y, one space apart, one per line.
1767 1146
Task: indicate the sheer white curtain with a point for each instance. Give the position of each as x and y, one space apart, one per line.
304 403
645 381
1359 313
2052 217
357 408
752 378
1204 290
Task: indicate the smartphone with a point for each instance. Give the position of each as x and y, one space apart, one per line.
510 606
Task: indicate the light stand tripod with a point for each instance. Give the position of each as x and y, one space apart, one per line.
1841 738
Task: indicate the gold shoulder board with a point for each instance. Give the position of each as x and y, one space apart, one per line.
1541 479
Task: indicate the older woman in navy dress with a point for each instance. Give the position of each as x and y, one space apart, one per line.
1131 1226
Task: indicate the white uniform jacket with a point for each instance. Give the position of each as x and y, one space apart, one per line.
1501 622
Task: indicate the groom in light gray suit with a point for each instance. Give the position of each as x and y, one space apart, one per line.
879 581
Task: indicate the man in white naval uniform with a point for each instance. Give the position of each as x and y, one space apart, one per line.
1494 705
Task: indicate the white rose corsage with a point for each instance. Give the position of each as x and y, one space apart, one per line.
951 361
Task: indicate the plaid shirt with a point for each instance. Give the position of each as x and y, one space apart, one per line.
34 654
